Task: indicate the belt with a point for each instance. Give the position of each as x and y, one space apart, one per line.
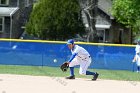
84 58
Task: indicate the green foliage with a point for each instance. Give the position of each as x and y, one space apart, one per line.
55 19
127 12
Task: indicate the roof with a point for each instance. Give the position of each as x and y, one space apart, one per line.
105 6
8 11
99 26
102 26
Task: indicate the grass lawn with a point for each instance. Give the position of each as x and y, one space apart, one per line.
55 71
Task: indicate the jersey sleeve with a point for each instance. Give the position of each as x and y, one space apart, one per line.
74 53
72 57
76 50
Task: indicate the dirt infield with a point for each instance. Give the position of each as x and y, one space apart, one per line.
43 84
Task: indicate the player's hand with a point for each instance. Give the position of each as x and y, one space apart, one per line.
68 63
133 60
64 66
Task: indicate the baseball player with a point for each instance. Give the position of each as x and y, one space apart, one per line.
137 49
137 60
137 56
79 57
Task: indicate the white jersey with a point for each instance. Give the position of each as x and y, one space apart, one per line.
138 59
82 58
137 49
80 51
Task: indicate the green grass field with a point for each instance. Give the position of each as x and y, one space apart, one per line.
56 72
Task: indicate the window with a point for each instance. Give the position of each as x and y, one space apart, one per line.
4 2
100 34
1 24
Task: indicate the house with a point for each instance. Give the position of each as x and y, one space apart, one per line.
13 16
108 30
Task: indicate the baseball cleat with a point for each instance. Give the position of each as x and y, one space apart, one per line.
70 77
95 76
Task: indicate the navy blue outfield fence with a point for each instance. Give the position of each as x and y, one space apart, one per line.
43 53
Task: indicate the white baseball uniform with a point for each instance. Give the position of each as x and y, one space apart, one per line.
137 49
82 58
137 57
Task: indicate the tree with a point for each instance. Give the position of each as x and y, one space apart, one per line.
127 12
55 20
89 8
92 21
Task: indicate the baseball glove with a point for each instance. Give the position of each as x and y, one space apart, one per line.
64 67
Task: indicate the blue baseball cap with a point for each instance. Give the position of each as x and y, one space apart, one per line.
70 41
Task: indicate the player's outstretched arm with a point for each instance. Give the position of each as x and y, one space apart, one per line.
72 57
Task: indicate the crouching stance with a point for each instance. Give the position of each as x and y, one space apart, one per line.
79 57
